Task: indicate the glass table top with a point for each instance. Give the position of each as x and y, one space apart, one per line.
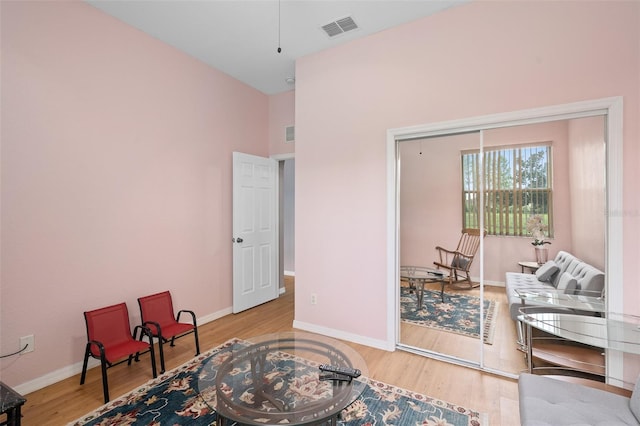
420 272
275 379
558 298
616 331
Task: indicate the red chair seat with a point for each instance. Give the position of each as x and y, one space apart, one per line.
123 350
175 329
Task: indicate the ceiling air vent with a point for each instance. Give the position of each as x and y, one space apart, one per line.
340 26
289 134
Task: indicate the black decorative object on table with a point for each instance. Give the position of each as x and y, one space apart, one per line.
344 371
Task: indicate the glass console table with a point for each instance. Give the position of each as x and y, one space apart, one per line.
559 299
551 300
615 332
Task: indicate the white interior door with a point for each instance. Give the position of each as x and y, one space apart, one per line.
255 231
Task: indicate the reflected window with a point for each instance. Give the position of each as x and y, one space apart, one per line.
516 183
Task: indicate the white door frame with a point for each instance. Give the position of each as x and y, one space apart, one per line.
611 107
280 158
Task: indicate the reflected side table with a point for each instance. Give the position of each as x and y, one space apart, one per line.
531 266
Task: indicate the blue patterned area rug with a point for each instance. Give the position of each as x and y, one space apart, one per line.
459 313
174 399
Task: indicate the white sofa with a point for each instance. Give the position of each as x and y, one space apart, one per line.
545 401
565 273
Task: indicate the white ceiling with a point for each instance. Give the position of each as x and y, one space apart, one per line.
240 37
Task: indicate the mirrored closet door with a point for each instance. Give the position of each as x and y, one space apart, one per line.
475 179
431 211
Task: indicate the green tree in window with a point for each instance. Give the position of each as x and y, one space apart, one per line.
534 170
534 176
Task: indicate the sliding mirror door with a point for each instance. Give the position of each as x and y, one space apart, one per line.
431 215
562 175
556 169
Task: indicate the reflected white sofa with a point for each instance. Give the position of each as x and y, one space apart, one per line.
566 272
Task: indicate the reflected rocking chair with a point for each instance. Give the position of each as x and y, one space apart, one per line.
457 263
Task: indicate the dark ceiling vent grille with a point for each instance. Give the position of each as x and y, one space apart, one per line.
347 24
340 26
289 134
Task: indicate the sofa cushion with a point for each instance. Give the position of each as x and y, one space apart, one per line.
634 402
567 283
566 262
546 271
590 280
547 401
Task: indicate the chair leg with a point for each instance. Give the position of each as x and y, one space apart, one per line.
135 337
153 358
160 347
83 376
105 384
471 282
195 332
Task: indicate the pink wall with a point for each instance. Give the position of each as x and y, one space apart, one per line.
475 59
281 115
116 176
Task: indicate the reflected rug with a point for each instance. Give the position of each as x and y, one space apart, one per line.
459 313
174 399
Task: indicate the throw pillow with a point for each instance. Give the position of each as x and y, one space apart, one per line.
567 283
634 402
546 271
460 262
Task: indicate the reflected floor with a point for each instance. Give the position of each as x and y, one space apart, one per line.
501 355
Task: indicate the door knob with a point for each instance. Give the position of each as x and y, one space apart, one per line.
239 240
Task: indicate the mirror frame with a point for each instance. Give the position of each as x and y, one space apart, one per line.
611 108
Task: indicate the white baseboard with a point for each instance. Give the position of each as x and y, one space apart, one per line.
53 377
339 334
214 316
290 273
494 283
488 282
74 369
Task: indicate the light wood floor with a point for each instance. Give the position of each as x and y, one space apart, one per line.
496 396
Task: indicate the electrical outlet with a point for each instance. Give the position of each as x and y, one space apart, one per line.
314 298
29 342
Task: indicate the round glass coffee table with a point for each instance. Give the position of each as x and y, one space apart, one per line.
275 379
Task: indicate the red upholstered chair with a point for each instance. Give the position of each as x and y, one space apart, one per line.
109 339
158 316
